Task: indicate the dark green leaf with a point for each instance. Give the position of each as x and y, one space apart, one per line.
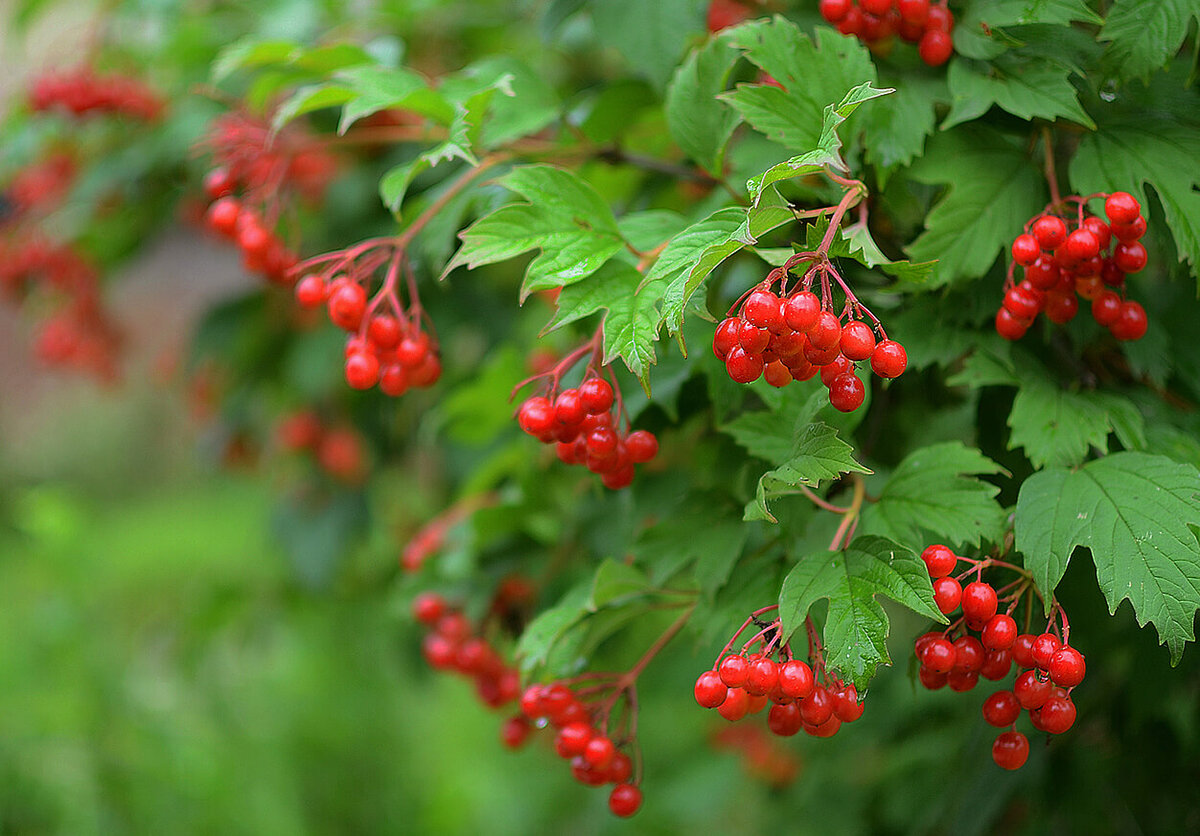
1028 88
1059 428
1143 35
699 122
650 36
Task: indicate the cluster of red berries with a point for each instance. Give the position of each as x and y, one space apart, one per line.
928 25
249 158
596 758
389 350
1061 263
453 645
1049 669
82 91
79 334
795 338
41 185
800 697
338 450
263 251
585 430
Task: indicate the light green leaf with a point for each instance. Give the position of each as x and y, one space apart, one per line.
614 582
699 122
383 88
1138 515
310 98
856 627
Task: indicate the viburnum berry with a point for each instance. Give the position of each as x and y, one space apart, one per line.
1121 207
889 359
978 601
428 607
733 670
1026 250
817 707
1031 690
744 367
826 333
1001 709
710 691
625 800
1056 715
1067 667
596 395
935 47
1010 750
1106 308
802 310
1000 632
762 677
1132 323
968 654
1082 244
857 341
362 370
947 593
996 664
725 339
1044 648
536 416
1050 232
1129 256
1009 326
939 656
961 680
846 705
762 309
846 392
939 560
311 291
736 705
1022 650
796 679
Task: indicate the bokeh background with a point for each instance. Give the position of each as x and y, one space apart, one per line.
167 666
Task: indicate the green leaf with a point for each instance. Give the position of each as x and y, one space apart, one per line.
700 123
994 189
1154 151
251 52
812 75
829 144
565 219
631 318
614 582
650 36
933 493
1026 87
896 126
1137 514
526 103
973 40
672 541
310 98
1144 36
538 640
382 88
1059 428
856 627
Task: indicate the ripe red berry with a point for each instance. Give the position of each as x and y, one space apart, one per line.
1050 232
428 607
1106 308
734 670
1031 690
596 395
960 680
817 707
223 215
931 679
826 333
710 691
347 302
573 739
784 719
1082 244
846 706
1122 207
979 601
777 374
968 654
1100 229
753 339
939 656
620 769
996 664
1001 709
1061 307
830 372
1010 327
599 752
1025 249
726 336
1131 231
743 367
736 705
947 593
913 11
1044 648
362 370
796 679
536 415
515 732
762 309
999 633
858 340
1057 715
310 291
1129 256
889 359
1011 750
1021 303
1043 273
1067 667
763 676
1022 650
642 446
624 800
940 18
835 10
939 560
802 310
1132 324
935 47
846 392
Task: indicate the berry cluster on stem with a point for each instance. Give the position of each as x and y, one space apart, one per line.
874 22
586 423
453 644
984 640
83 91
339 451
794 334
1067 252
765 671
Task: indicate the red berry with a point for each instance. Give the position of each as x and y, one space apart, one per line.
428 607
961 680
796 679
362 370
515 732
996 664
846 706
753 339
939 656
726 336
762 309
734 670
1025 249
596 395
710 691
999 633
1131 231
968 654
802 310
1050 231
1067 667
913 11
939 18
817 707
939 560
1022 650
1122 207
573 739
1082 244
536 415
1011 750
620 769
1061 307
743 367
218 183
384 331
932 679
310 291
935 47
1100 229
624 800
413 349
846 393
347 303
839 366
784 719
979 601
1106 308
1009 326
1043 273
1032 691
1021 303
835 10
889 359
947 593
1132 324
1056 715
826 333
599 752
777 374
858 340
1130 256
1044 648
568 408
223 215
1001 709
642 446
762 677
601 442
736 705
